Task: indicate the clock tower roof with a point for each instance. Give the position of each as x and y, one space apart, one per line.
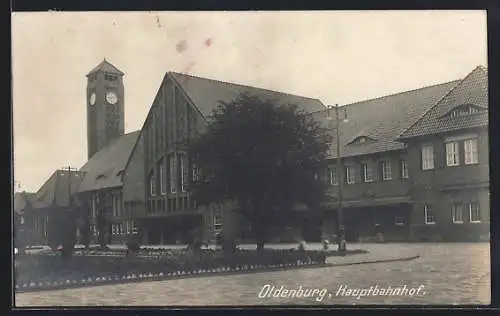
106 66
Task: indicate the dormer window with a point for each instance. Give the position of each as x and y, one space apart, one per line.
361 140
464 110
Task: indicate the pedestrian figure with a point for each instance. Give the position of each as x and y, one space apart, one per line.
325 243
302 245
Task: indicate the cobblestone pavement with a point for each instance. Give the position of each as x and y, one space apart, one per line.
453 273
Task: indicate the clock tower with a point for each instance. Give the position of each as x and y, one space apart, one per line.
105 106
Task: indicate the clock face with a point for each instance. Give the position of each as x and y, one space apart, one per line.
92 99
111 97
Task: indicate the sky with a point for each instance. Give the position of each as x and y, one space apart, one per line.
337 57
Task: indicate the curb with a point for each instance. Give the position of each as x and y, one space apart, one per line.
164 276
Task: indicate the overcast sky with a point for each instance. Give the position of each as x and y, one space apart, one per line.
337 57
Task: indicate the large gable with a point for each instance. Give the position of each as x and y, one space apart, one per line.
105 168
56 190
378 122
469 96
206 94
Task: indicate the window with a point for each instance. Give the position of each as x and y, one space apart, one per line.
399 221
195 173
350 175
152 184
218 220
474 214
457 213
463 111
386 169
121 229
452 156
429 214
21 220
470 150
163 183
332 176
173 174
113 229
367 172
427 157
183 170
93 206
404 169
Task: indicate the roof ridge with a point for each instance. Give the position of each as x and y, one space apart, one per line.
406 91
440 100
245 86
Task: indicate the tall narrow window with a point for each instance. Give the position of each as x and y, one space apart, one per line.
183 167
404 169
470 151
217 220
173 174
386 169
163 179
457 213
474 214
429 214
152 184
427 157
195 173
366 171
350 175
332 175
452 154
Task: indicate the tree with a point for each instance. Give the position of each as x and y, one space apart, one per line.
262 155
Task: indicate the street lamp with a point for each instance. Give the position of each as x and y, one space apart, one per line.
340 173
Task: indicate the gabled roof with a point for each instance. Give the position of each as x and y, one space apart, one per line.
106 66
381 119
206 94
103 169
22 200
55 191
472 90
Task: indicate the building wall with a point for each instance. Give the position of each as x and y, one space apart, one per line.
378 188
444 185
104 121
119 219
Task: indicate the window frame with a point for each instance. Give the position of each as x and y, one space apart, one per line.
404 169
332 175
172 167
217 214
455 206
472 154
365 166
350 171
152 184
470 204
427 208
427 162
452 151
163 178
386 162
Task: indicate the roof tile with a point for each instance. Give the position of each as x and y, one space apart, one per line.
381 119
473 89
206 94
101 171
